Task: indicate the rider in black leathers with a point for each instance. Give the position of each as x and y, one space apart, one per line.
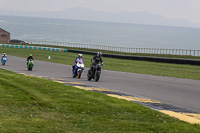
30 57
95 60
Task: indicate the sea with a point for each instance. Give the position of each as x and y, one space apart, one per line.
101 33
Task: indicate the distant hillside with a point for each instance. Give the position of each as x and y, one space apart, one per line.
122 17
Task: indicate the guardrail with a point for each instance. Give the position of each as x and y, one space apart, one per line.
145 58
33 47
122 49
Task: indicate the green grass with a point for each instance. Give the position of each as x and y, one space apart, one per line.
143 67
29 104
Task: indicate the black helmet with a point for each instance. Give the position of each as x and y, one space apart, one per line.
99 54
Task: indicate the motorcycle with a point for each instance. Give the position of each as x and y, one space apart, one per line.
95 73
30 65
79 69
3 61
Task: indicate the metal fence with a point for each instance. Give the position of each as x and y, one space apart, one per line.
122 49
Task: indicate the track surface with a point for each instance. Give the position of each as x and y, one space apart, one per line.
176 91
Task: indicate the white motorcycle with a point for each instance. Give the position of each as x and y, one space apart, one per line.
78 70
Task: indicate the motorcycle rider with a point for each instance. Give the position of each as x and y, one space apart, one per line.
30 57
4 55
80 60
95 60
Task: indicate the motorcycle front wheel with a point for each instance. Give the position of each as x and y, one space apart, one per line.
79 74
97 76
89 75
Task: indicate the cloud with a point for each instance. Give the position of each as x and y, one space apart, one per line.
185 9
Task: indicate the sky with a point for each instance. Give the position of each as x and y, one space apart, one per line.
172 9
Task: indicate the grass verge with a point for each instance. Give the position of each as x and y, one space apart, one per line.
29 104
143 67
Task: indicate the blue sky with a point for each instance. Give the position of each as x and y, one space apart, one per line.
173 9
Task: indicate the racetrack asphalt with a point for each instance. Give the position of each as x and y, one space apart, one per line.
184 93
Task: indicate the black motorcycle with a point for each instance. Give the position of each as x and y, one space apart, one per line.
95 73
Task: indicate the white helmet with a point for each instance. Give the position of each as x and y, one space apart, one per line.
4 53
80 55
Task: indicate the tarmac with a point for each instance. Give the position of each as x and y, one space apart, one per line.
176 97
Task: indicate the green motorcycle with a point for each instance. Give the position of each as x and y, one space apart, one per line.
30 65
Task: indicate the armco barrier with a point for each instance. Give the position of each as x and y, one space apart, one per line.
145 58
34 47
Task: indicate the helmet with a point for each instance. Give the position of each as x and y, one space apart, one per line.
30 55
4 53
99 54
80 55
